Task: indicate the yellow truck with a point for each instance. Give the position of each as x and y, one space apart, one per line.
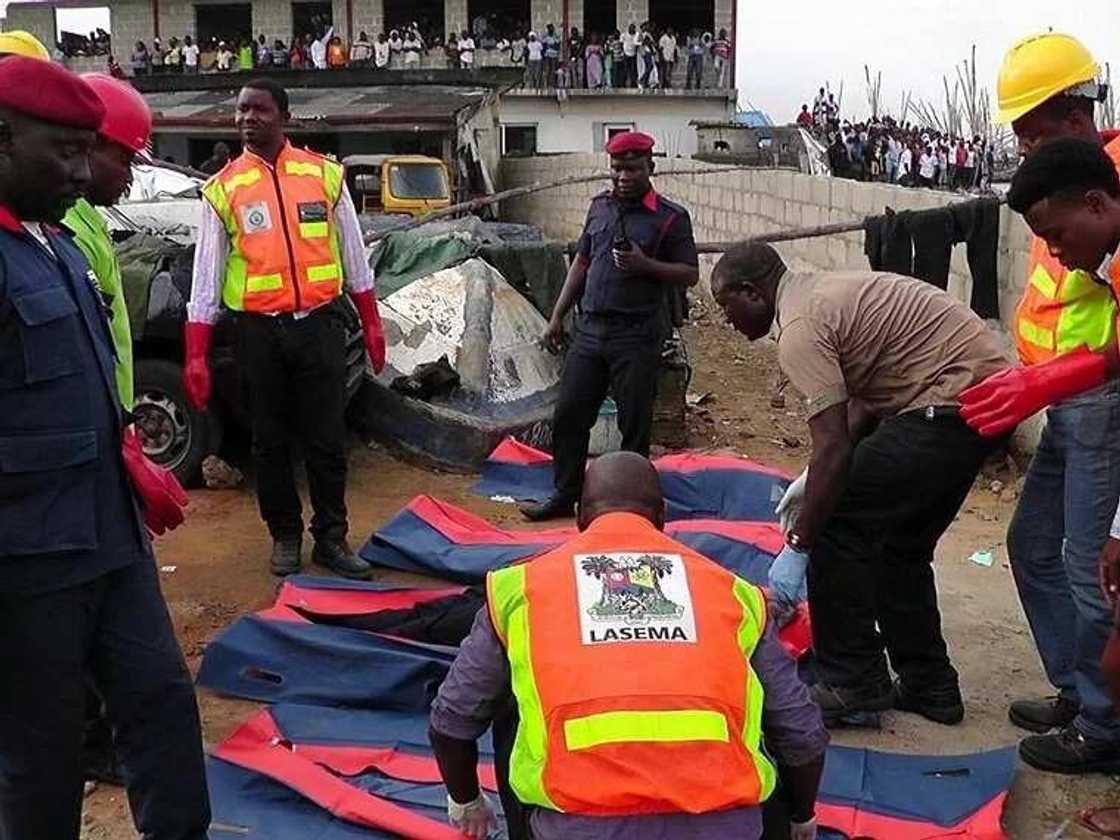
409 184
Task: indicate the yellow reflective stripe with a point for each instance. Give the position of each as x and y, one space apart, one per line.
645 727
332 181
322 273
1088 316
1036 335
1046 285
298 167
750 631
510 610
313 230
242 179
264 283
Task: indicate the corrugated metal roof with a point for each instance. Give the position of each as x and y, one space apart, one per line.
329 106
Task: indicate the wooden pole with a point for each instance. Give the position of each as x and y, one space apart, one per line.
786 235
538 186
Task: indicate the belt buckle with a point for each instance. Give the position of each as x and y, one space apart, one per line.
931 413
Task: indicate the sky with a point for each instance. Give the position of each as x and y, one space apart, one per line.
787 50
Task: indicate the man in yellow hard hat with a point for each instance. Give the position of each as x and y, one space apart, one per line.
19 42
1065 331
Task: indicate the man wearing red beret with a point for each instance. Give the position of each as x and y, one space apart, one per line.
635 252
79 593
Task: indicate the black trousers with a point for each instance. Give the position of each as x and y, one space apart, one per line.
630 63
665 71
296 370
871 585
116 630
619 354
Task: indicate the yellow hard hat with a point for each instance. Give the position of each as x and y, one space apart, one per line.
1038 68
19 42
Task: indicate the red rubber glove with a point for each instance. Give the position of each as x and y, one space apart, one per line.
1004 400
366 303
161 496
196 368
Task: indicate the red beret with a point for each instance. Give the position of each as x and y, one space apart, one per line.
630 142
48 92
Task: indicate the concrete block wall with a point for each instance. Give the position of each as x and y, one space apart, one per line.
743 203
175 21
273 20
632 11
33 18
130 21
544 12
724 17
455 15
369 16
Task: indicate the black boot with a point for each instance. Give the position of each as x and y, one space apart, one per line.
555 507
1043 715
1068 752
941 704
848 707
286 557
337 556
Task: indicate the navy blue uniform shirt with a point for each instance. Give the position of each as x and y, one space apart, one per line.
661 228
67 511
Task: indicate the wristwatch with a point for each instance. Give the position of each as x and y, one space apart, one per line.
796 543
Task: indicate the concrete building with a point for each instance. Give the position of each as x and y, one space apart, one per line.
143 20
584 120
530 122
445 114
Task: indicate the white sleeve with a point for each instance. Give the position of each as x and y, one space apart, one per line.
355 266
1114 532
210 253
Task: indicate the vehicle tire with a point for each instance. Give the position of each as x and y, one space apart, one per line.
174 435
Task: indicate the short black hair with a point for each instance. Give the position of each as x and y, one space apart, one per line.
278 94
1060 108
749 262
1065 168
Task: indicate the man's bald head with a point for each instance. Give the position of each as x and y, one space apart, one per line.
621 482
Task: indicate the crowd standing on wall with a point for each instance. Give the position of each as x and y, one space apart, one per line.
900 152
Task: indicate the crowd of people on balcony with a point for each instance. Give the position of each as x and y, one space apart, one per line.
73 44
644 57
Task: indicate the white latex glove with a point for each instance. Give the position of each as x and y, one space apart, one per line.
803 831
475 819
789 508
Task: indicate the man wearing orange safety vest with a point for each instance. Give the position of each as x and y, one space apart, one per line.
278 242
642 674
1066 336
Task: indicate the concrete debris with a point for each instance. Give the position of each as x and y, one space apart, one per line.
218 475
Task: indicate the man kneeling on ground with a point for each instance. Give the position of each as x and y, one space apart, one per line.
645 678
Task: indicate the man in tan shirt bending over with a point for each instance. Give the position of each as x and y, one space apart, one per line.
880 360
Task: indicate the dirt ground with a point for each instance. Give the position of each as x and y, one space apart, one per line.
219 563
